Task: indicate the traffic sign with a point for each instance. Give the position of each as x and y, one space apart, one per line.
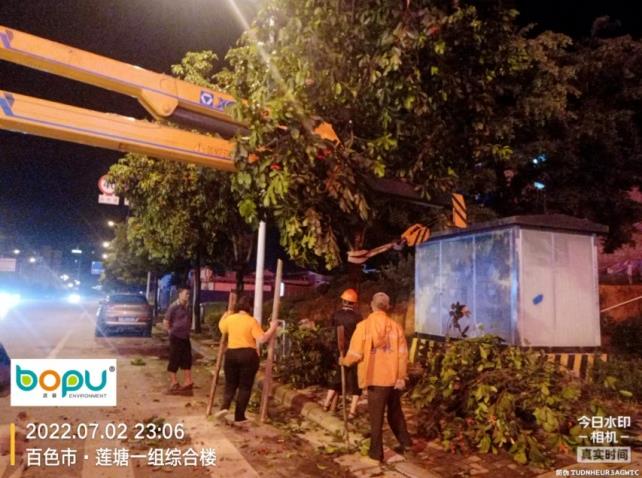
108 199
97 268
105 186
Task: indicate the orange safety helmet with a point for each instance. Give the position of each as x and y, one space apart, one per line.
350 295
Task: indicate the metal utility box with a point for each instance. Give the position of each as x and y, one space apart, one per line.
531 280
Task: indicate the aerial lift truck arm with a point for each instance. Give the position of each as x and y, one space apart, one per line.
164 97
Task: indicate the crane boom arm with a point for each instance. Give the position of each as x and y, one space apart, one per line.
163 96
69 123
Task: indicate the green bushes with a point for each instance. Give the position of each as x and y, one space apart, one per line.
619 377
312 359
625 335
212 313
479 395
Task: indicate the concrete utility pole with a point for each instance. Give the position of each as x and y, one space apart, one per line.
258 278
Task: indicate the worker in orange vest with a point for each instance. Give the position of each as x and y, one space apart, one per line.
379 347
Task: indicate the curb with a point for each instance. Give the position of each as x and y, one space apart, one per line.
308 409
294 400
312 411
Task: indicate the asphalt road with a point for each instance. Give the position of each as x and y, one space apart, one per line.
60 330
41 329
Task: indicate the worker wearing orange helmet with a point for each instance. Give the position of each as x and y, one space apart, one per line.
348 317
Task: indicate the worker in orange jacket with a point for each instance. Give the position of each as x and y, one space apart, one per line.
379 346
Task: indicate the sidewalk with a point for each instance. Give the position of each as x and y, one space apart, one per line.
301 404
6 470
432 462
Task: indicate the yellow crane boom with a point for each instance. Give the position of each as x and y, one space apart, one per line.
163 96
78 125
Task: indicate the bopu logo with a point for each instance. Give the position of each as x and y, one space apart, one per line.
63 382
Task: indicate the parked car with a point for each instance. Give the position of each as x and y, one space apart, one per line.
123 313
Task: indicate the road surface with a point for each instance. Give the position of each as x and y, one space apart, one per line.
60 330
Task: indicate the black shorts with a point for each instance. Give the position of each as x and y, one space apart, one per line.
180 354
352 381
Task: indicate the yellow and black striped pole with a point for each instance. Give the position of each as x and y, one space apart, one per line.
460 218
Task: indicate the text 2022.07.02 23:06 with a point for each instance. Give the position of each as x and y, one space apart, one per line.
104 431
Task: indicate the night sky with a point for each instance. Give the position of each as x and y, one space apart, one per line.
48 192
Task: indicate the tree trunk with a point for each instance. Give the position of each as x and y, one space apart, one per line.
148 289
155 295
240 283
196 296
354 270
242 248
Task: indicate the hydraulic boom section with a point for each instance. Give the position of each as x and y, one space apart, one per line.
163 96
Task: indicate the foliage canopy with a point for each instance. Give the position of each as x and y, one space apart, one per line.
432 93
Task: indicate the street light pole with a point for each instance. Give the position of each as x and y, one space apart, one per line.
258 279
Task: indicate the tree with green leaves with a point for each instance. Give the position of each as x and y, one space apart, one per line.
438 94
182 214
125 264
588 161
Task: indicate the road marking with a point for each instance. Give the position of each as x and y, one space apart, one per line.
60 344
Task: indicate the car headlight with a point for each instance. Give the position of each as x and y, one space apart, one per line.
7 302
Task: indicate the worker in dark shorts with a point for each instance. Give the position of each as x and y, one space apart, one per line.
348 317
178 322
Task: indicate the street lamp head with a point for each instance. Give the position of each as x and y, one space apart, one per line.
76 251
32 260
111 223
16 251
105 244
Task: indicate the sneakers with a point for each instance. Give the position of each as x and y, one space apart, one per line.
400 449
221 413
403 449
173 389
